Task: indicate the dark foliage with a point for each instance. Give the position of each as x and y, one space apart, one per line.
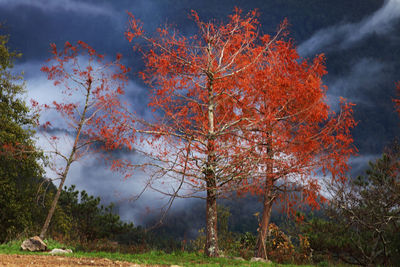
363 217
81 217
20 170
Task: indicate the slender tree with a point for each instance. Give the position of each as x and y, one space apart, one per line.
197 103
91 109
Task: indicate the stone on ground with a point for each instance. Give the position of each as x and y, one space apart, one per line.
34 244
60 251
255 259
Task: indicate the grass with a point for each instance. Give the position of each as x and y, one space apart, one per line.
153 257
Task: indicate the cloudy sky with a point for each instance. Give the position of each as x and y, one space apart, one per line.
359 37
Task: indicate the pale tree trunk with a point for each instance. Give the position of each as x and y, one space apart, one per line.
64 174
211 248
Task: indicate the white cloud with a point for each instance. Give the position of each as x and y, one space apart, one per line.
363 75
62 5
359 164
343 36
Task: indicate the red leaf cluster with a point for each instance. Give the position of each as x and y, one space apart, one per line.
91 107
248 105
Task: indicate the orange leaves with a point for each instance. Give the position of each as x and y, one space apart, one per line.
91 107
294 133
34 103
253 110
120 91
88 49
397 101
53 48
195 16
65 108
46 125
199 93
135 28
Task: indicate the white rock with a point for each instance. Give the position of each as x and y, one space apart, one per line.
60 251
255 259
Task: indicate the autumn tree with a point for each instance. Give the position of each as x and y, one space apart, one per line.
295 136
90 113
198 106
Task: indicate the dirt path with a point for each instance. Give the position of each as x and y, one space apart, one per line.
49 261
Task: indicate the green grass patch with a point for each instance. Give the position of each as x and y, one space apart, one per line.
14 247
153 257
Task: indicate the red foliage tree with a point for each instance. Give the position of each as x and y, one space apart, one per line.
91 110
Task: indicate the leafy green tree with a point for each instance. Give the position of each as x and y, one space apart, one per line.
20 170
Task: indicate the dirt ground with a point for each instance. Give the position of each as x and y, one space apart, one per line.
47 261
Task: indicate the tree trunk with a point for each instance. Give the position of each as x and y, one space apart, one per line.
269 198
211 248
57 196
52 209
261 251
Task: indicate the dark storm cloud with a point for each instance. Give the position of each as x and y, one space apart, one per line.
35 24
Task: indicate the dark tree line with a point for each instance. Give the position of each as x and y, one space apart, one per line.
362 222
